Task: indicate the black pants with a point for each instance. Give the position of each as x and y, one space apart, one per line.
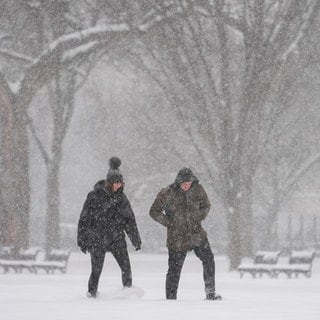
176 260
120 253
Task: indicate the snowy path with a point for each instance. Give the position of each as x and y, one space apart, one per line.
54 297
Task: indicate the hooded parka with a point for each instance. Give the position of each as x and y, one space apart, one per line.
182 213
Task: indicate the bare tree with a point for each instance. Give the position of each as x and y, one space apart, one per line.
218 63
16 99
292 151
61 90
288 163
40 65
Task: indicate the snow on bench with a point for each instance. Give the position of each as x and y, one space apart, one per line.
263 262
299 262
24 259
57 260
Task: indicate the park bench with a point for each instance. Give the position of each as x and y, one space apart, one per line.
5 253
56 260
262 263
299 262
23 259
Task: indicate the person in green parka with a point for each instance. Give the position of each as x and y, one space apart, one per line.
181 207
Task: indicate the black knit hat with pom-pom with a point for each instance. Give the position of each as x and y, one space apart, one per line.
114 174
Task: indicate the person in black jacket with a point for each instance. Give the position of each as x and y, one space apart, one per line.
105 218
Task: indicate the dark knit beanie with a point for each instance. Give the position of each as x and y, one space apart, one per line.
184 175
114 174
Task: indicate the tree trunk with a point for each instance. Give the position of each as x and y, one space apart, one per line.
238 202
53 203
233 226
246 218
23 191
270 233
15 186
289 245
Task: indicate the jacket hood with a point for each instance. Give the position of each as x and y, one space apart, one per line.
184 175
99 185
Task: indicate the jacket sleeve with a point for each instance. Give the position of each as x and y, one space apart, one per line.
130 226
204 206
84 224
157 209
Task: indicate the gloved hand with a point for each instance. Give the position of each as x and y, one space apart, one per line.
137 247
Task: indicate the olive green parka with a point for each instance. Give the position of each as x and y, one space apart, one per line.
182 212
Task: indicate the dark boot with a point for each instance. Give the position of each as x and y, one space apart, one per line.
91 294
213 296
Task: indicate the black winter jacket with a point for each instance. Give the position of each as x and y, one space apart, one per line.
104 218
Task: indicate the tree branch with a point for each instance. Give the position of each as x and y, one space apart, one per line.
16 56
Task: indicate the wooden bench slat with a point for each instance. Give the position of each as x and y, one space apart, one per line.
262 264
300 262
28 259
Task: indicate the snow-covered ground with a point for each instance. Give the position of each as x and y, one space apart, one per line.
31 297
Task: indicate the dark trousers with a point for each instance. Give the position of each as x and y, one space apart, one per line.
176 260
120 253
